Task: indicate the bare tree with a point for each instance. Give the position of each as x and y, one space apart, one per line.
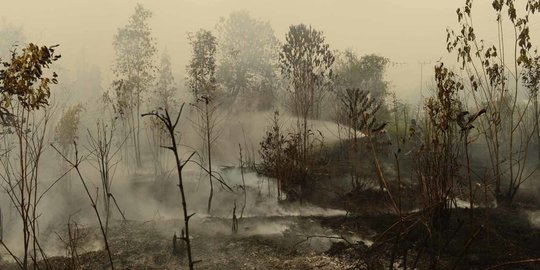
201 81
171 125
72 241
104 158
207 125
243 181
75 164
20 174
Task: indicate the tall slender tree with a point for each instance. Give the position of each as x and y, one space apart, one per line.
163 97
201 70
134 68
201 81
306 61
497 78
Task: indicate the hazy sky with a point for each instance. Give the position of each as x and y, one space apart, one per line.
407 32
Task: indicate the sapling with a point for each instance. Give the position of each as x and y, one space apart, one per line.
165 118
25 88
75 163
243 182
103 154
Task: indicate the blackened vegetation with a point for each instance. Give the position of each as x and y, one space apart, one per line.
442 189
357 112
445 206
283 159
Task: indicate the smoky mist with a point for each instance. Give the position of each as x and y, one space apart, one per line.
269 135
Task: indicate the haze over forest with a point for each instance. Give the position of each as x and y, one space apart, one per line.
258 134
408 33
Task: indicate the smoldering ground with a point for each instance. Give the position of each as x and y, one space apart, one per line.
143 196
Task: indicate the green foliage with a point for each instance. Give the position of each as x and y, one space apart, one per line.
358 109
437 165
66 130
23 80
305 50
135 52
135 47
286 158
306 61
271 151
495 77
248 52
531 76
24 89
201 69
135 70
368 70
444 107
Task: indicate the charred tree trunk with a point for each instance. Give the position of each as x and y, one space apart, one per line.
166 119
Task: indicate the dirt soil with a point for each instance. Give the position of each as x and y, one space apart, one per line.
261 243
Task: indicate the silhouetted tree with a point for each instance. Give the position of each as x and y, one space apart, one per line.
170 124
365 72
358 110
248 53
306 60
201 70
